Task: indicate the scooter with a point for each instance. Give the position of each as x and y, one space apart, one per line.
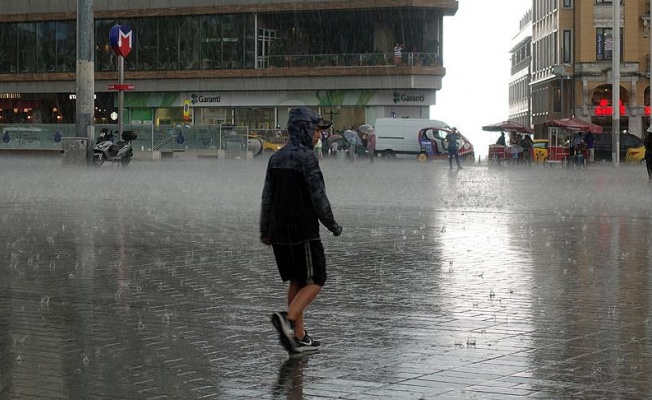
120 152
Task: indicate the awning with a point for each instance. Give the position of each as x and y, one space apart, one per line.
575 124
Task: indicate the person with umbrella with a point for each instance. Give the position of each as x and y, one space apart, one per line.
353 142
370 131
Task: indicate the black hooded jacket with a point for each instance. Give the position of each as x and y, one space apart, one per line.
294 196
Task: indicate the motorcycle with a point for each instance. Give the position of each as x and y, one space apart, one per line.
120 152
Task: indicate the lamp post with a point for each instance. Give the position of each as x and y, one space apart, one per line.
615 86
85 92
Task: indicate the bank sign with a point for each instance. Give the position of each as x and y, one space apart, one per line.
399 97
205 99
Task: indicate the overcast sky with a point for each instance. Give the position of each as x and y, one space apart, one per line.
477 41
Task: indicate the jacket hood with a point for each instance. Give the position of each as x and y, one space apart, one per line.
301 125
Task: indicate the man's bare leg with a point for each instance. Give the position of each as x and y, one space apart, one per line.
299 298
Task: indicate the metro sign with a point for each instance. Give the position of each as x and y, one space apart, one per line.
121 39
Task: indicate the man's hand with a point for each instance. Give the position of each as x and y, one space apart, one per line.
265 240
337 231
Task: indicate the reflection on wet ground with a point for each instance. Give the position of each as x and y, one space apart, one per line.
149 282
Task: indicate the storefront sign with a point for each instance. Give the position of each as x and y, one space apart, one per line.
408 98
411 98
605 109
201 99
73 96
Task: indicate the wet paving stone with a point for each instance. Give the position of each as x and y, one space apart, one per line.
149 282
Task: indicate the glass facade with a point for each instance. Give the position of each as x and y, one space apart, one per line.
214 42
37 47
182 43
228 41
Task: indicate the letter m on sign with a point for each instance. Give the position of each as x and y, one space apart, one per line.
121 39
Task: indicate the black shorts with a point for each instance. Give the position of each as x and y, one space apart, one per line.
304 263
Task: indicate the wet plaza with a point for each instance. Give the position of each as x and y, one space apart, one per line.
149 282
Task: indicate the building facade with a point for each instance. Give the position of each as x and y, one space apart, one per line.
519 85
240 62
572 55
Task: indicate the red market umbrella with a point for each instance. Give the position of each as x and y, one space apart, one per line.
507 126
575 124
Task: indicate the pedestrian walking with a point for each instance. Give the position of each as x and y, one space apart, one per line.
453 147
526 143
590 145
648 152
371 145
294 202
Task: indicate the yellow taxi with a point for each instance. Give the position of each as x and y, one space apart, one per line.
540 151
635 155
275 143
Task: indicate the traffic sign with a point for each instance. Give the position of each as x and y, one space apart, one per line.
122 87
121 39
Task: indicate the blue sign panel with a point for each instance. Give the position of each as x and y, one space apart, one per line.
121 39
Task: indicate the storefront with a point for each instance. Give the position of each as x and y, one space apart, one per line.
51 108
263 110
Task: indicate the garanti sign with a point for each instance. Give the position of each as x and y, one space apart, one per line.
199 99
408 98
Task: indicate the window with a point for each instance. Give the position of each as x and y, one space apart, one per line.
46 46
8 48
168 38
66 38
568 3
604 43
567 49
26 45
556 102
147 44
104 57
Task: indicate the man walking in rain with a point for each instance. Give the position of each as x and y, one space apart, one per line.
294 201
453 146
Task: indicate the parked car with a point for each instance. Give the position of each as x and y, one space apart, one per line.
400 137
629 144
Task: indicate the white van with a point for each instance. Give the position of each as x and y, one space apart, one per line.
400 136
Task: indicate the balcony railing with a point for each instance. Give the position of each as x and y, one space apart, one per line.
413 59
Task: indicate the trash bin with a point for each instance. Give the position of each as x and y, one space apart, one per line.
74 150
